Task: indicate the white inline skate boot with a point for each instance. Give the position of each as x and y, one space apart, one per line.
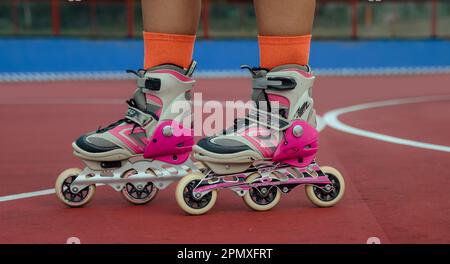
269 152
141 153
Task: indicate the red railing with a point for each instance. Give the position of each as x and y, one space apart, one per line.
15 17
56 18
354 19
434 18
205 16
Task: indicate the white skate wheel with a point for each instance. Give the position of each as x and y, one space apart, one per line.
261 198
138 195
185 199
65 195
321 198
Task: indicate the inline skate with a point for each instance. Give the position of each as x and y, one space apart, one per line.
141 153
268 153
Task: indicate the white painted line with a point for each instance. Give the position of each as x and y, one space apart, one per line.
19 196
321 124
26 195
60 101
332 119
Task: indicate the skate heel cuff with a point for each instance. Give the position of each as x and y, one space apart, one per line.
139 117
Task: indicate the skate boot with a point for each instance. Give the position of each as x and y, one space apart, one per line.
269 152
143 152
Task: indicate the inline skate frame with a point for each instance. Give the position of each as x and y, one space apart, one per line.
266 154
142 153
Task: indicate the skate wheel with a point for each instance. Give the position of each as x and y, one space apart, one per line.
186 199
136 195
322 198
65 195
261 198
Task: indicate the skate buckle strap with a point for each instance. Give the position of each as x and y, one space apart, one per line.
147 83
261 84
281 83
275 83
138 117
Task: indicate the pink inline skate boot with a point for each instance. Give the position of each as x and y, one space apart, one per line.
268 153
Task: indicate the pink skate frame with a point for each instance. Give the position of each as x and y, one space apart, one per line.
293 151
239 180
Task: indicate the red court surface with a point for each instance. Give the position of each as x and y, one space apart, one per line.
395 192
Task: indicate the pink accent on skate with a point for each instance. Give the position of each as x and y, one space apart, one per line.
123 133
266 152
257 135
321 180
156 100
173 149
303 73
280 99
175 74
298 151
224 185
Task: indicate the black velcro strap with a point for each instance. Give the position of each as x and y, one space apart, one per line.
281 83
152 84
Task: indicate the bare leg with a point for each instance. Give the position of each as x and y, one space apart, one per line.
284 17
171 16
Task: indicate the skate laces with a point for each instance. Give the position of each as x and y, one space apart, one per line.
254 71
273 122
238 123
131 103
235 127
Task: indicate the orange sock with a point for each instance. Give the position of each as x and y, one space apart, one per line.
161 48
279 50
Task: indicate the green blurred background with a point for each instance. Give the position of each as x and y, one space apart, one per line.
335 19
